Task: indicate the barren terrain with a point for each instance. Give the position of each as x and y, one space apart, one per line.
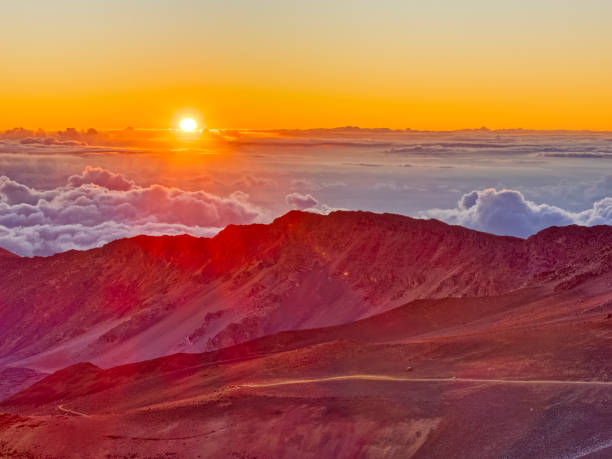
495 359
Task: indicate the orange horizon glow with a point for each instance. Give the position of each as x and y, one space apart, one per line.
294 110
440 66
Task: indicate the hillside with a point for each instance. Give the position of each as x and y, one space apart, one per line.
145 297
415 381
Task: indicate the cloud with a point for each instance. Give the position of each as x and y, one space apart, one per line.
250 181
49 202
579 155
101 177
51 141
49 239
572 192
392 185
98 206
304 185
363 164
301 201
308 203
334 184
508 212
83 142
600 188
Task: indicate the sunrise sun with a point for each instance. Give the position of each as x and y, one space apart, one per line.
188 125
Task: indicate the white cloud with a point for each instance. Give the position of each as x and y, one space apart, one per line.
301 201
101 177
98 206
308 203
507 212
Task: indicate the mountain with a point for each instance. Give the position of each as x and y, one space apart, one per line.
519 375
6 254
347 335
146 297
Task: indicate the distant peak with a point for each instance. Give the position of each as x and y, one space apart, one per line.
572 230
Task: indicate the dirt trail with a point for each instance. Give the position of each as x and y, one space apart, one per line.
368 377
69 411
374 377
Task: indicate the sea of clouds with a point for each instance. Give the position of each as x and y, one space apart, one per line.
98 206
80 189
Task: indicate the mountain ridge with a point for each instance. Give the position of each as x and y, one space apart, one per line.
303 270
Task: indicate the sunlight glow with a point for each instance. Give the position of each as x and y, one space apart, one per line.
188 125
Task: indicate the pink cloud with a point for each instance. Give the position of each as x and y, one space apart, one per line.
98 205
301 201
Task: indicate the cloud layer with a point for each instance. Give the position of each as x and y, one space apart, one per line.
44 209
98 206
508 212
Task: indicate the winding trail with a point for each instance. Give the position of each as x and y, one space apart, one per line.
374 377
69 411
368 377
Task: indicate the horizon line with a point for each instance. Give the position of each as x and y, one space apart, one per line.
380 129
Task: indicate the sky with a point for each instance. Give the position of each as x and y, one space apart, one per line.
440 64
92 94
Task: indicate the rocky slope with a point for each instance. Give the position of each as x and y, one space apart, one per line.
526 374
6 254
145 297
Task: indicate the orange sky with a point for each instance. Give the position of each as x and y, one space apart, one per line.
444 65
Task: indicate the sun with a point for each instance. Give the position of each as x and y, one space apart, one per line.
188 125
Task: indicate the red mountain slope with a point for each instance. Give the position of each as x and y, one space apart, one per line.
525 374
140 298
7 254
